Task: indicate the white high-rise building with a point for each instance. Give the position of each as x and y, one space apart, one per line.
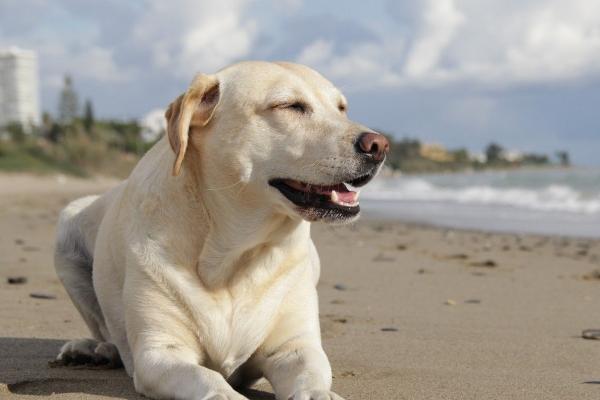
19 100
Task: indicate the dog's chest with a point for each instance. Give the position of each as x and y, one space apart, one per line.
233 330
233 323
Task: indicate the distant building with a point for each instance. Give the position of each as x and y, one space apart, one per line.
513 156
478 157
435 152
19 101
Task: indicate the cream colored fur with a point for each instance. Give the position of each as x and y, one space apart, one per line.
201 274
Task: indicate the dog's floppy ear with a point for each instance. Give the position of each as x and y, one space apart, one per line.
192 109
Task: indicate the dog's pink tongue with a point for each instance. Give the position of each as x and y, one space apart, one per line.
348 197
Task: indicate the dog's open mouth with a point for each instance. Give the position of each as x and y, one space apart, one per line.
336 201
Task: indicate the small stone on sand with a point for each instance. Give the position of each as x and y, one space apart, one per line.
383 258
460 256
339 286
450 302
486 264
592 334
592 276
42 296
16 280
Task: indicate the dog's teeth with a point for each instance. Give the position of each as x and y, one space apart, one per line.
334 197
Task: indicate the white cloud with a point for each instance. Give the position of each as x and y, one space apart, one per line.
316 52
93 62
153 124
188 36
441 21
486 42
561 41
61 50
177 38
366 65
56 59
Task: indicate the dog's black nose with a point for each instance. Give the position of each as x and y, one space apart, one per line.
373 144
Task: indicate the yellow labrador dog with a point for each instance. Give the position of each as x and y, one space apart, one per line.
198 272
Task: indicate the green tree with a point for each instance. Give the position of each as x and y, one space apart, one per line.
16 132
88 116
493 153
403 152
535 159
50 129
563 158
46 119
68 106
461 156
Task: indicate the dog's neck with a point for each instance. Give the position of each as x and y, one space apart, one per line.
233 230
236 234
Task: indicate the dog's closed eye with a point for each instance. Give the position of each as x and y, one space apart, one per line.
295 106
298 107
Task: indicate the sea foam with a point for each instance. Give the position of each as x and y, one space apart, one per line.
552 198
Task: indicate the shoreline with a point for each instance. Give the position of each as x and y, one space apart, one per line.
458 226
391 172
475 231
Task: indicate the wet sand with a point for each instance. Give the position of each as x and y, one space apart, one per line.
407 312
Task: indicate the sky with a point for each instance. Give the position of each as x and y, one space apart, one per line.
524 73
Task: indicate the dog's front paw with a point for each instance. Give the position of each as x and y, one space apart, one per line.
88 353
315 395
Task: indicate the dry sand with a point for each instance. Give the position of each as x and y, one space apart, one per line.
407 312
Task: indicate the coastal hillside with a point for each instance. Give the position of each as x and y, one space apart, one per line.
84 146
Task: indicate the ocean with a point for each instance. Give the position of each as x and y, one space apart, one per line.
563 202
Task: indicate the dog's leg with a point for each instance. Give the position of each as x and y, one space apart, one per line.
300 370
291 357
73 262
173 372
166 350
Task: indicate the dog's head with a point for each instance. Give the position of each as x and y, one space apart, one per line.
274 136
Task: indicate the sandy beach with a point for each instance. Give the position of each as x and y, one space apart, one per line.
407 312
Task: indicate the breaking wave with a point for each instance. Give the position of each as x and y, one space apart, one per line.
552 198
